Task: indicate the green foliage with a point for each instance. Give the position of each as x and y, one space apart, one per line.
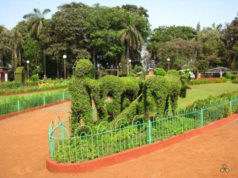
160 72
83 54
84 68
131 75
205 81
234 81
138 69
10 104
230 76
35 78
211 101
10 85
33 53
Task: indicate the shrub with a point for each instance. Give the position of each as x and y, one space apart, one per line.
160 71
35 78
234 81
230 76
204 81
84 68
10 85
173 72
131 75
128 96
138 69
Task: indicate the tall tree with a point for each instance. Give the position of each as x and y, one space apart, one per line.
130 37
231 36
36 24
36 21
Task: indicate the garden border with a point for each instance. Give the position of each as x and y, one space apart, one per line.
91 165
5 116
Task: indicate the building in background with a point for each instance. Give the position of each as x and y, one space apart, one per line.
3 74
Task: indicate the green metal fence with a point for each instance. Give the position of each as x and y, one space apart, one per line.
16 104
104 139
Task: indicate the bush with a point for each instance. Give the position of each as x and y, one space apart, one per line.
131 75
160 71
204 81
230 76
234 81
10 85
35 78
84 68
128 96
138 69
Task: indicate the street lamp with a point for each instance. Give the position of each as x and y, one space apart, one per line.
129 66
64 57
168 60
27 64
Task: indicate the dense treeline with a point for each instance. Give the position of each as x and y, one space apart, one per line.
112 37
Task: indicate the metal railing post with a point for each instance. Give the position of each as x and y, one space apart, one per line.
63 130
201 117
63 96
50 142
44 100
18 105
149 132
231 106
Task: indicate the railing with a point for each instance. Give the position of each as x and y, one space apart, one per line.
87 143
16 104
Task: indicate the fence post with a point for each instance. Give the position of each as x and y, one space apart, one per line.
231 106
44 100
149 131
18 105
201 117
50 142
63 130
63 96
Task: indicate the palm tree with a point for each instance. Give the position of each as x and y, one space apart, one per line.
4 43
36 21
16 43
36 24
131 38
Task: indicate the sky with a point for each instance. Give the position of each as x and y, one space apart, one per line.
161 12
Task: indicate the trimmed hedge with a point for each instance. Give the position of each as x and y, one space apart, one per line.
205 81
10 85
112 98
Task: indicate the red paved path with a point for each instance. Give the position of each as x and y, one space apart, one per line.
24 147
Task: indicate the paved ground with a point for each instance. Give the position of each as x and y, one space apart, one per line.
24 147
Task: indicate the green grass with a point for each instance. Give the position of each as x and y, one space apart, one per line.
7 97
203 91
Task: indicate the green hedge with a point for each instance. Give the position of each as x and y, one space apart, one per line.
17 103
31 89
205 81
10 85
119 97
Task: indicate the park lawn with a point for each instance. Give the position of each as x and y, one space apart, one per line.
203 91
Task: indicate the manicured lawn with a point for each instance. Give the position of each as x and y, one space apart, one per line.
203 91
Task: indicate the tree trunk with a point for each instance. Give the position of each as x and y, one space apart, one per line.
44 61
127 58
94 60
64 68
19 56
123 62
57 66
15 57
